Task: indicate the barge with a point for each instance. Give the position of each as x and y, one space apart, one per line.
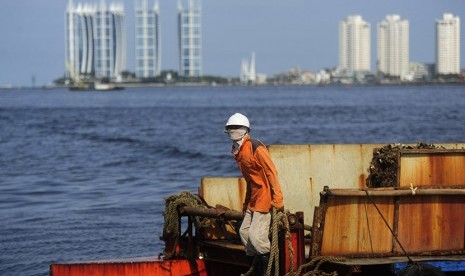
334 224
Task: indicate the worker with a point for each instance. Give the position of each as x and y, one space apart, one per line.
263 189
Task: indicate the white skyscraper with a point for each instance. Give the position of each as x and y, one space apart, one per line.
354 44
448 44
393 46
95 40
110 41
148 58
190 38
79 52
248 71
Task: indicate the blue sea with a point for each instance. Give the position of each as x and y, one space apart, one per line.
83 174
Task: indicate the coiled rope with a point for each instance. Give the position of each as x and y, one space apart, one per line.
171 227
171 230
316 262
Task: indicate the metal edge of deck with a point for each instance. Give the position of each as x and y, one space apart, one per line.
145 266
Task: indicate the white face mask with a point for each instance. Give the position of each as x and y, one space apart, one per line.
237 134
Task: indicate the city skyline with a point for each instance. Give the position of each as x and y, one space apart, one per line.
282 35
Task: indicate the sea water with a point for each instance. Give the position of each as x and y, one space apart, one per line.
83 174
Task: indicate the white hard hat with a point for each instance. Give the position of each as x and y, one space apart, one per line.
238 120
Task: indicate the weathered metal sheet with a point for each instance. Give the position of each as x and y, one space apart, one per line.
424 224
226 191
431 168
303 171
354 227
432 223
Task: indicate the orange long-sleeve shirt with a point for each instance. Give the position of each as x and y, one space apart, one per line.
263 188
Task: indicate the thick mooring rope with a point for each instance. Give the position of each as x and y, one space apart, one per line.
171 227
278 221
316 262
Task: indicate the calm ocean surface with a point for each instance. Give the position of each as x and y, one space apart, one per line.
83 174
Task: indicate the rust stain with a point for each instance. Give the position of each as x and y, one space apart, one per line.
362 181
437 169
433 169
432 223
242 189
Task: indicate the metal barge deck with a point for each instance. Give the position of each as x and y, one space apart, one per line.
333 220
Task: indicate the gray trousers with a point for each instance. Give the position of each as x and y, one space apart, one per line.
254 233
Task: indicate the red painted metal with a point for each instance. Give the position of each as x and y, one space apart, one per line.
131 267
297 243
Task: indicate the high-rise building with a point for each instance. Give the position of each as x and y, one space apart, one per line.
354 44
190 38
147 38
95 40
448 44
393 46
248 72
79 41
110 56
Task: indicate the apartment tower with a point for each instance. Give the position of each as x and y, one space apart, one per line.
190 38
110 57
393 46
95 40
147 38
79 40
448 45
354 44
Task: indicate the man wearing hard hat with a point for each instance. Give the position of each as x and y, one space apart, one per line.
263 189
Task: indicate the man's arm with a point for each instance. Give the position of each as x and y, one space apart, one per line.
247 198
263 157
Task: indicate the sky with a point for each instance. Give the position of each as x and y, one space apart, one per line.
283 34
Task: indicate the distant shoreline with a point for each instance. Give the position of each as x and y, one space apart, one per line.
205 84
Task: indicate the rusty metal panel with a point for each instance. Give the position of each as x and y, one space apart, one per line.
227 191
431 223
432 168
425 224
353 227
304 170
